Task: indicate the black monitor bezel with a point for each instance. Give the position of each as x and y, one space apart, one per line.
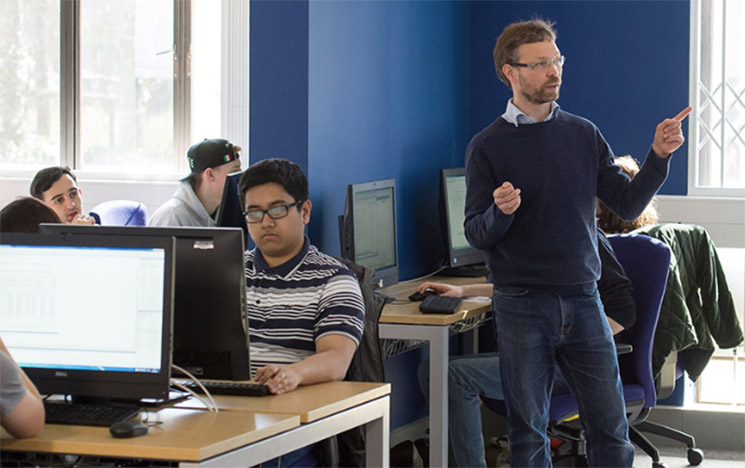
454 257
385 276
192 349
109 385
230 212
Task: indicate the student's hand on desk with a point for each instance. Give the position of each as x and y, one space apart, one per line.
507 198
441 288
279 379
668 136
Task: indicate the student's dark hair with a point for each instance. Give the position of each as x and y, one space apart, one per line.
517 34
45 178
24 214
279 171
609 223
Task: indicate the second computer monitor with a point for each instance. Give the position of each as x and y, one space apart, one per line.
368 229
459 253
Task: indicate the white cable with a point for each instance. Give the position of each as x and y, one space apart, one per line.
206 392
184 388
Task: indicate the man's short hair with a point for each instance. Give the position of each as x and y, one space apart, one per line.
517 34
45 178
279 171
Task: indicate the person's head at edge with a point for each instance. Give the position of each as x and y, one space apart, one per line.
278 185
210 161
608 222
25 214
58 187
527 60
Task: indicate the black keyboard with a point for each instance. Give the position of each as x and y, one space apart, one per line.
440 304
87 415
227 388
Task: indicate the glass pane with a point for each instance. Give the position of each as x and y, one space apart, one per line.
734 156
205 69
126 86
722 383
29 84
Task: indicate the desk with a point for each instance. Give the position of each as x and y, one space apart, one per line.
238 436
404 321
184 435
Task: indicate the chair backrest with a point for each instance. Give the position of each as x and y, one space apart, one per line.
646 262
121 213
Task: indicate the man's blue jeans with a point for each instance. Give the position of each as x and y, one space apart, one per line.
535 332
470 376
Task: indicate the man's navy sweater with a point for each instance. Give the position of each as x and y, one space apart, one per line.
560 166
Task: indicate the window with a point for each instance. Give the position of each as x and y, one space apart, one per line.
121 88
717 130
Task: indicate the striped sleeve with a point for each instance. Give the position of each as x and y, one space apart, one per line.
341 309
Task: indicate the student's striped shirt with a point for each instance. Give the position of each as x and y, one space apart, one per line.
294 304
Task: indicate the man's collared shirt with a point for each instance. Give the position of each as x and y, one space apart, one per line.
517 117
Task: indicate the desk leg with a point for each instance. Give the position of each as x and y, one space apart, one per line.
438 338
438 397
377 439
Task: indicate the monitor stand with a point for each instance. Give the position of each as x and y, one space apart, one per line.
469 271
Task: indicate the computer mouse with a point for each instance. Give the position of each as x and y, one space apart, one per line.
420 296
127 428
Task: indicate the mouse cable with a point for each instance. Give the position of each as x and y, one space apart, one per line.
212 406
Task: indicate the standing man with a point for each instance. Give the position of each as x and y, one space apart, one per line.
58 187
532 177
199 194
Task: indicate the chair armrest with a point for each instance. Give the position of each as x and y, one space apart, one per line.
624 348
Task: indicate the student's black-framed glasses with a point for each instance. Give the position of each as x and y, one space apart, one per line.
275 212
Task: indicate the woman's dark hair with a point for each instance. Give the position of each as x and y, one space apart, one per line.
25 214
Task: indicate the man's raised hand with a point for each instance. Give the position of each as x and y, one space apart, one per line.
669 134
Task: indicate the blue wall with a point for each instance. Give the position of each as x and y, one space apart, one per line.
626 68
386 100
279 81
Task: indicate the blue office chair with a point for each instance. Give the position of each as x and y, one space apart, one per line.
646 262
121 213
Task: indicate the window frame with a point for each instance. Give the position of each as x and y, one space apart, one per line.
234 90
693 133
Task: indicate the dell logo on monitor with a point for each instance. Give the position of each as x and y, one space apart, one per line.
60 374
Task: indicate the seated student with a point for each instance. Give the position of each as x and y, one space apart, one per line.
21 408
479 374
25 214
305 309
698 309
58 188
198 196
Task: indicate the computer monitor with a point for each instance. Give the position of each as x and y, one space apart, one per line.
89 316
229 213
368 229
461 259
210 338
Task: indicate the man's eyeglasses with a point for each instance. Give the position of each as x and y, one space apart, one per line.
275 212
544 65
